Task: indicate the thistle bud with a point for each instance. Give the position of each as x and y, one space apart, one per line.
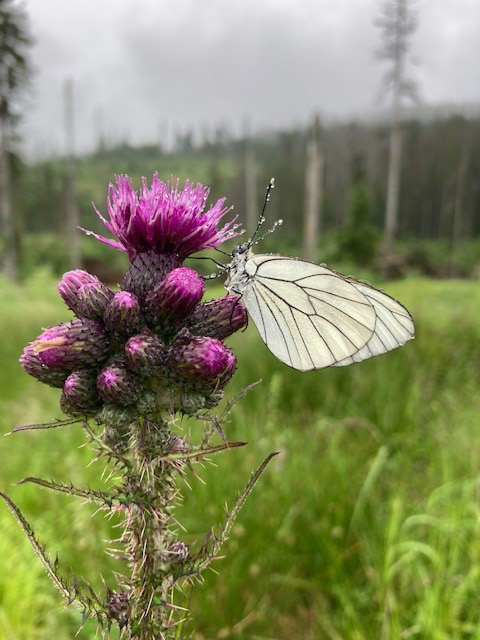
178 551
118 417
70 285
117 385
175 297
218 318
35 367
147 403
192 402
199 361
80 396
144 353
123 314
72 345
93 298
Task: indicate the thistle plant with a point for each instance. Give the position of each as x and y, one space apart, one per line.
133 365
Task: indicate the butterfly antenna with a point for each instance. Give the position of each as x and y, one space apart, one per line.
261 220
267 233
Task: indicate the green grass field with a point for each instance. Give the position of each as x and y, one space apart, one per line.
366 526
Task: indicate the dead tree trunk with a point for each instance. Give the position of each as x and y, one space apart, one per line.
313 192
72 214
10 257
393 186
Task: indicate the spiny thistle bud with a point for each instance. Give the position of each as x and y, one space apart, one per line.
144 353
199 361
119 607
178 551
70 285
112 416
117 385
123 314
116 438
147 403
218 318
192 401
175 297
72 345
35 367
93 299
80 396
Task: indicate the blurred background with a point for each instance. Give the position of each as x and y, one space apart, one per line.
367 112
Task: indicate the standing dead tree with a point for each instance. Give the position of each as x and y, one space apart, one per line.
72 214
397 23
14 74
313 191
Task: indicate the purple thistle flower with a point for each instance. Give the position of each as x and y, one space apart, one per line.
175 297
74 344
123 315
70 285
144 353
218 318
80 396
32 364
93 298
117 385
164 218
199 361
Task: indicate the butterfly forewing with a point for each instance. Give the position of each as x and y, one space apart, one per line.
394 326
308 316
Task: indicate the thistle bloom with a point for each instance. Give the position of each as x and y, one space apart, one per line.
163 218
117 385
123 315
80 393
175 297
72 344
144 353
70 285
218 318
199 361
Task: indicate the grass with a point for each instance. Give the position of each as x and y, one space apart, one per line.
366 526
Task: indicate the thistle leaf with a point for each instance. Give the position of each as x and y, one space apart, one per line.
46 425
200 453
213 543
98 497
49 566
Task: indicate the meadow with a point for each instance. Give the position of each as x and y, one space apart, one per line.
366 526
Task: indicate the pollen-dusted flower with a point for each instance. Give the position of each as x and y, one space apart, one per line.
117 385
70 285
199 361
80 396
93 298
35 367
164 218
175 297
218 318
73 344
123 314
144 353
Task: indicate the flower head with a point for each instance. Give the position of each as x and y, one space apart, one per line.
175 297
70 345
164 218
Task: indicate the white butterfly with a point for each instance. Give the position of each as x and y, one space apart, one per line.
311 317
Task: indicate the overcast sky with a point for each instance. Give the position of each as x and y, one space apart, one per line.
138 64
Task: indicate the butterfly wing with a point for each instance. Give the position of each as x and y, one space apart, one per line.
394 326
308 316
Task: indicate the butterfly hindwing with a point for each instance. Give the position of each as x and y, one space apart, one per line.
308 316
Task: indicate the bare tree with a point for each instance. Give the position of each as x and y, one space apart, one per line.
397 24
313 191
14 74
72 217
250 177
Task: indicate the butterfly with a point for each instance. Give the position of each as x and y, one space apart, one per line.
311 317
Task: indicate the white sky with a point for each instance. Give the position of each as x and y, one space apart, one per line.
139 63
